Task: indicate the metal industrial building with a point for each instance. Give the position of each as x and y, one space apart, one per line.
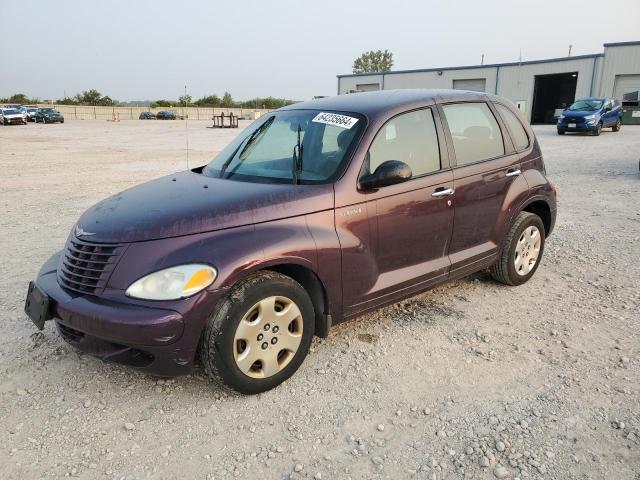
538 87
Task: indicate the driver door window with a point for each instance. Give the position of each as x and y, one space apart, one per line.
410 138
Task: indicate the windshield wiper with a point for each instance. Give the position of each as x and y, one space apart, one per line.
298 150
252 137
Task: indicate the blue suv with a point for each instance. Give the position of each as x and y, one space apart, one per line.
591 115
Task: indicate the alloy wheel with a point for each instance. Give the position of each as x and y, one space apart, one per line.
268 336
527 250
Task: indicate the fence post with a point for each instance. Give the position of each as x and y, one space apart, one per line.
95 117
75 112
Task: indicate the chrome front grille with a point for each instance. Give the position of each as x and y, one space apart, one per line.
85 267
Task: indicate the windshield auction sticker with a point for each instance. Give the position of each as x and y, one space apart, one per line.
343 121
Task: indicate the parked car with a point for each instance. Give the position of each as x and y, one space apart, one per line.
165 115
316 213
31 113
48 115
147 116
591 115
12 116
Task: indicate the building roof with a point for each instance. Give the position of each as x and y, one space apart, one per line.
467 67
622 44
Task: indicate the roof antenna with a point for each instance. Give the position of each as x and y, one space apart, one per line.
569 54
482 61
186 122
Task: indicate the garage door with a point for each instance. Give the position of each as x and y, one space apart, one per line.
473 84
625 84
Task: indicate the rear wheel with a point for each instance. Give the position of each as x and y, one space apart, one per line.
617 126
521 250
259 335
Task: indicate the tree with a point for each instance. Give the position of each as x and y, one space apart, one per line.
184 100
208 101
89 97
161 103
373 61
227 100
20 98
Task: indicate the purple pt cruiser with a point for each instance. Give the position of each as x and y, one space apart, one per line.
315 214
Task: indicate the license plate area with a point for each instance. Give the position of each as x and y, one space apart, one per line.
572 125
37 306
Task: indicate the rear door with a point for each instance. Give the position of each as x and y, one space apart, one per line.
485 166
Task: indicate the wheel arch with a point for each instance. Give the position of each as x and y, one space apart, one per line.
542 209
314 287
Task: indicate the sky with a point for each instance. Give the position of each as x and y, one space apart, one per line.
151 49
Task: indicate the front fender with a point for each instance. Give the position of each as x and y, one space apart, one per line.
234 252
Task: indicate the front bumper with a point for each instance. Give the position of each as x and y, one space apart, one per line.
579 127
16 121
161 341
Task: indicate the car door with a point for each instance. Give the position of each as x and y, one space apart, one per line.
397 241
485 165
606 115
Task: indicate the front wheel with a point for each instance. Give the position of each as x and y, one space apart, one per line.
598 129
259 335
560 132
617 126
521 250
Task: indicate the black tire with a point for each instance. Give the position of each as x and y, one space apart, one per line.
217 342
504 270
617 126
62 121
560 132
598 129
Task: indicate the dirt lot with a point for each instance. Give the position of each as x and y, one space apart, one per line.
470 380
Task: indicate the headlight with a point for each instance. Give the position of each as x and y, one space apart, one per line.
589 117
561 117
173 283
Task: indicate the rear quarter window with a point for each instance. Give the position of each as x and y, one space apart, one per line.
475 132
516 130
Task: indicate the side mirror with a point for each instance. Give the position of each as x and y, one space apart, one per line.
387 173
607 109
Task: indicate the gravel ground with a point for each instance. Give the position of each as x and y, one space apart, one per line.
470 380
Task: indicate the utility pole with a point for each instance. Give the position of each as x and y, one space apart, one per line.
570 46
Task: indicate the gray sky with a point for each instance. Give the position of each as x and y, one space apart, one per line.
149 49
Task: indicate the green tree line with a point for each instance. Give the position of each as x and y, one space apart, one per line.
95 98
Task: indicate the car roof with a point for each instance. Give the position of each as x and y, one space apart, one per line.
600 99
381 101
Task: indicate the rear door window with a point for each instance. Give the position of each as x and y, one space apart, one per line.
475 132
410 138
516 130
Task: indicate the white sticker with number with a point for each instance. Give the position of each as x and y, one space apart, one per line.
343 121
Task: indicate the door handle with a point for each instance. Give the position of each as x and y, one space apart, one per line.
513 173
442 192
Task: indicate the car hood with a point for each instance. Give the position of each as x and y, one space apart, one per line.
580 113
189 202
12 115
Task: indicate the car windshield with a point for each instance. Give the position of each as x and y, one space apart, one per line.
588 105
10 111
305 146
